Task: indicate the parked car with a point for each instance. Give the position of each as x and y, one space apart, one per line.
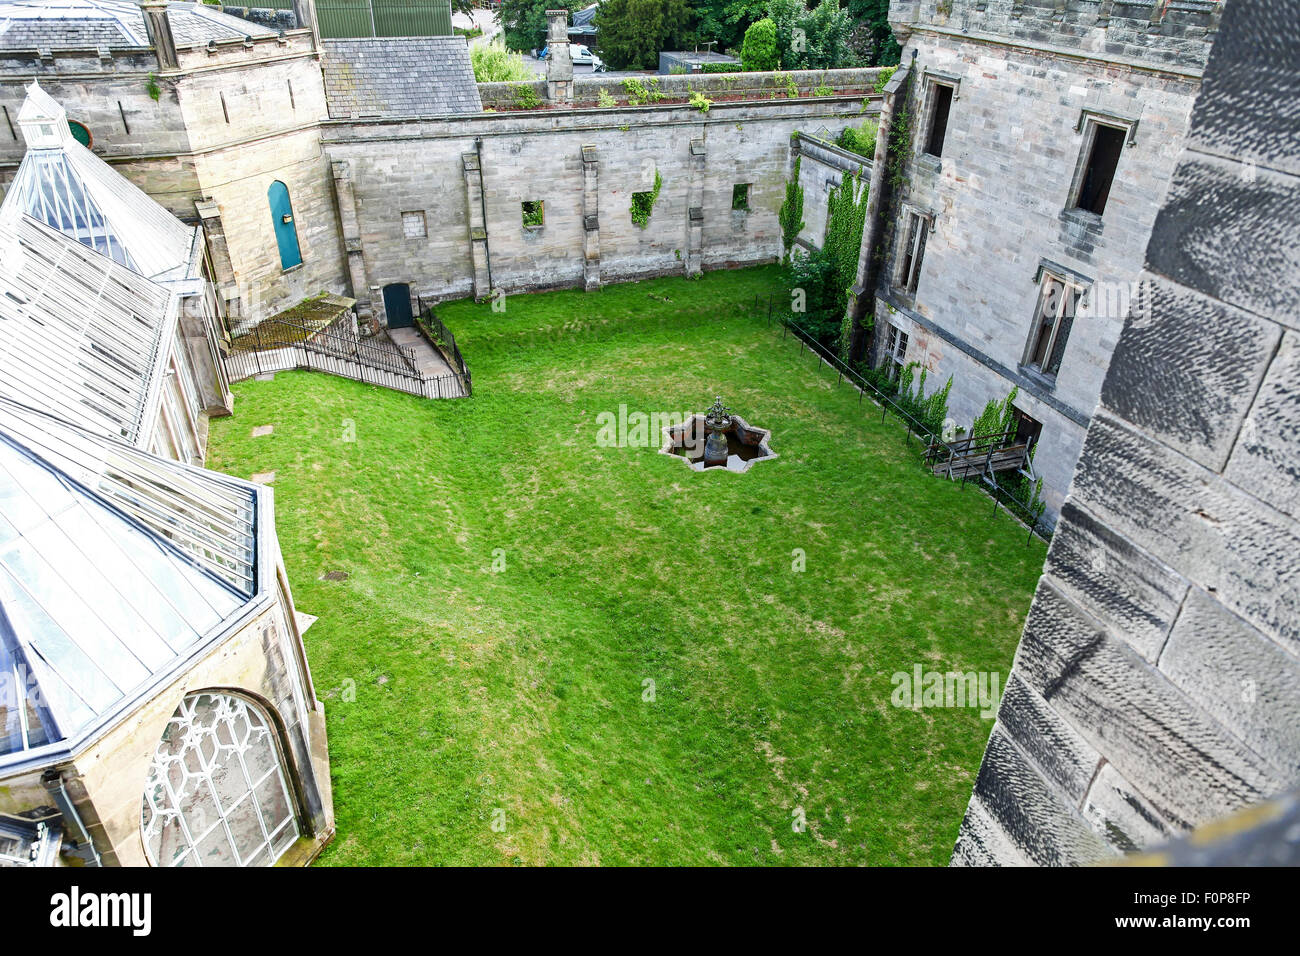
580 54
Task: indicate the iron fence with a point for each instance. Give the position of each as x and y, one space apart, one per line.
935 448
442 339
279 345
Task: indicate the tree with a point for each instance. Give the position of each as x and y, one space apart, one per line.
759 52
463 6
726 21
523 22
871 39
826 35
632 32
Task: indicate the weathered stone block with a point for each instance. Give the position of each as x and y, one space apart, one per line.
1115 581
1058 749
1212 533
1231 236
1266 459
1047 830
1246 681
1121 815
982 841
1187 368
1189 767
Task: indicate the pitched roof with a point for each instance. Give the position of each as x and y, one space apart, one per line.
70 189
399 76
115 24
95 606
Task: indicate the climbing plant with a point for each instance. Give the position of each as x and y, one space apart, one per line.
900 139
644 203
821 279
930 410
791 214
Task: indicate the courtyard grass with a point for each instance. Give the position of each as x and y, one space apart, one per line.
546 651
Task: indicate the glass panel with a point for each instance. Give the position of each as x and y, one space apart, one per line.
223 737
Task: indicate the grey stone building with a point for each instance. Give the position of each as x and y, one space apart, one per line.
1041 137
1157 682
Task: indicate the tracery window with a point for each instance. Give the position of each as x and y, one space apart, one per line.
216 793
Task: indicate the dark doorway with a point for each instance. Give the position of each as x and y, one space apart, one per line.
397 305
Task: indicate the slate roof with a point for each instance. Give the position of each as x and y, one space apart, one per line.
399 76
113 24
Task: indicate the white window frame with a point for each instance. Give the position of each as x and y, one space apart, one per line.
916 226
1073 293
896 345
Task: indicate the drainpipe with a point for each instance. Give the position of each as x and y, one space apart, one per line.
482 198
52 780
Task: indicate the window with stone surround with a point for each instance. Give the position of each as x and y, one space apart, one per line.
414 225
916 225
740 197
938 107
895 352
1058 303
1103 144
534 212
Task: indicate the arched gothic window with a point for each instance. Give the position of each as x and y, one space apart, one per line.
216 793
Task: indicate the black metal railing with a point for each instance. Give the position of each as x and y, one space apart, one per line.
277 345
442 339
936 447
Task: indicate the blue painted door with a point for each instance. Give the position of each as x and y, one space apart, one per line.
286 230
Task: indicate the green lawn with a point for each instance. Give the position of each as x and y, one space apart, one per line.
454 690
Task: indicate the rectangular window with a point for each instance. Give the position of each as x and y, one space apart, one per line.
940 107
1058 301
1099 170
914 231
895 352
740 197
414 225
534 212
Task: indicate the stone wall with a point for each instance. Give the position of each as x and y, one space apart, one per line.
1157 682
584 165
999 201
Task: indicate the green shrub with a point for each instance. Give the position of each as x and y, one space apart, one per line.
700 102
605 100
643 204
723 68
791 214
759 51
860 140
493 63
526 97
883 79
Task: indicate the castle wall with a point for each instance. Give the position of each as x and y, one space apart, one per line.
419 165
1156 684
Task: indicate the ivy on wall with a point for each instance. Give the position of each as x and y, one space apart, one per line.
644 203
791 214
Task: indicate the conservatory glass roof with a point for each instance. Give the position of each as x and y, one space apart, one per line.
95 604
79 335
70 189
